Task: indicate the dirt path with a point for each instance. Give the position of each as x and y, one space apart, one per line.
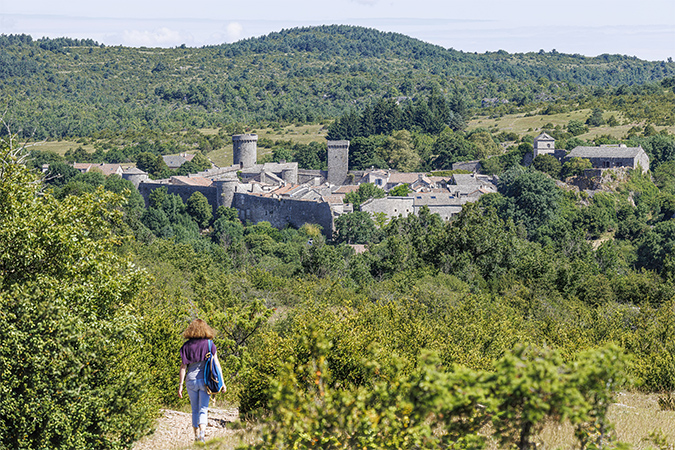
174 429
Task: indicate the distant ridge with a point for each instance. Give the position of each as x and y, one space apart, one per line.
76 87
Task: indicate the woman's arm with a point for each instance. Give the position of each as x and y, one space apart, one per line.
181 377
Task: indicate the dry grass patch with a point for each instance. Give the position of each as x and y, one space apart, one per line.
636 418
303 134
59 147
532 125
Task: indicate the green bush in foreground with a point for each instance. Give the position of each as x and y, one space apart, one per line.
436 408
71 369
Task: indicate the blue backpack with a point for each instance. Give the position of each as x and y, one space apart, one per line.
213 377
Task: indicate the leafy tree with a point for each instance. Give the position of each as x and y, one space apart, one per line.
38 158
399 151
402 190
657 246
200 210
60 173
227 232
356 228
228 213
549 164
73 376
117 184
576 127
484 144
282 154
364 192
171 204
575 167
664 177
310 156
595 119
364 153
452 147
150 163
532 199
527 392
78 155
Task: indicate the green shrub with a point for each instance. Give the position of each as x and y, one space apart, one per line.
73 371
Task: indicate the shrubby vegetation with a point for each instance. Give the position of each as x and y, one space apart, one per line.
532 305
302 319
74 375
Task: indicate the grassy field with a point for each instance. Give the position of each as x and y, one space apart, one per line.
60 147
534 125
303 134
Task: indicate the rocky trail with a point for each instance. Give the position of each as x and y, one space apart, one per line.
174 429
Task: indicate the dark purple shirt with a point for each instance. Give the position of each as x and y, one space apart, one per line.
195 350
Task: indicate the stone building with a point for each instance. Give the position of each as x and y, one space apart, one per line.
610 156
175 161
135 175
543 145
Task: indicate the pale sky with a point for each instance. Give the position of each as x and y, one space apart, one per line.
645 29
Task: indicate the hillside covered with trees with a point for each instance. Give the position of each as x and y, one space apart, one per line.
56 88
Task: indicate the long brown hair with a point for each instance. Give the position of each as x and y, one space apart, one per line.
199 329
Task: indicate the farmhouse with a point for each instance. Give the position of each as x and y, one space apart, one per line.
609 156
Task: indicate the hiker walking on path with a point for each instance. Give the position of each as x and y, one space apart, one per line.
193 355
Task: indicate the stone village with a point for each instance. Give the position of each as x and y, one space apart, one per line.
283 195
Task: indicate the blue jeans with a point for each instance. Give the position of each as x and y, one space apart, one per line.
199 398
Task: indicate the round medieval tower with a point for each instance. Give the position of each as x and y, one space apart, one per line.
244 150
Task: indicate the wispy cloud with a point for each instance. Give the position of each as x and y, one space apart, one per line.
234 31
160 37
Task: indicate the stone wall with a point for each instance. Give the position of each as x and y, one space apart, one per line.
281 212
212 193
391 206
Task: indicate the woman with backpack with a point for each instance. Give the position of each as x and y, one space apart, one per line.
194 353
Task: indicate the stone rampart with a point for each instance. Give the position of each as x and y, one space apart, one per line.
280 212
183 191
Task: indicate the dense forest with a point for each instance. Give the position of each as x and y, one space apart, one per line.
532 306
63 87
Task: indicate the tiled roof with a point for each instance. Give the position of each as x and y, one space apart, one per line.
134 170
468 179
190 181
544 137
403 177
173 161
82 167
604 152
109 169
346 189
284 189
333 199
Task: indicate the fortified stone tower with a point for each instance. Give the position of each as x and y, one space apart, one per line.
244 150
338 161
